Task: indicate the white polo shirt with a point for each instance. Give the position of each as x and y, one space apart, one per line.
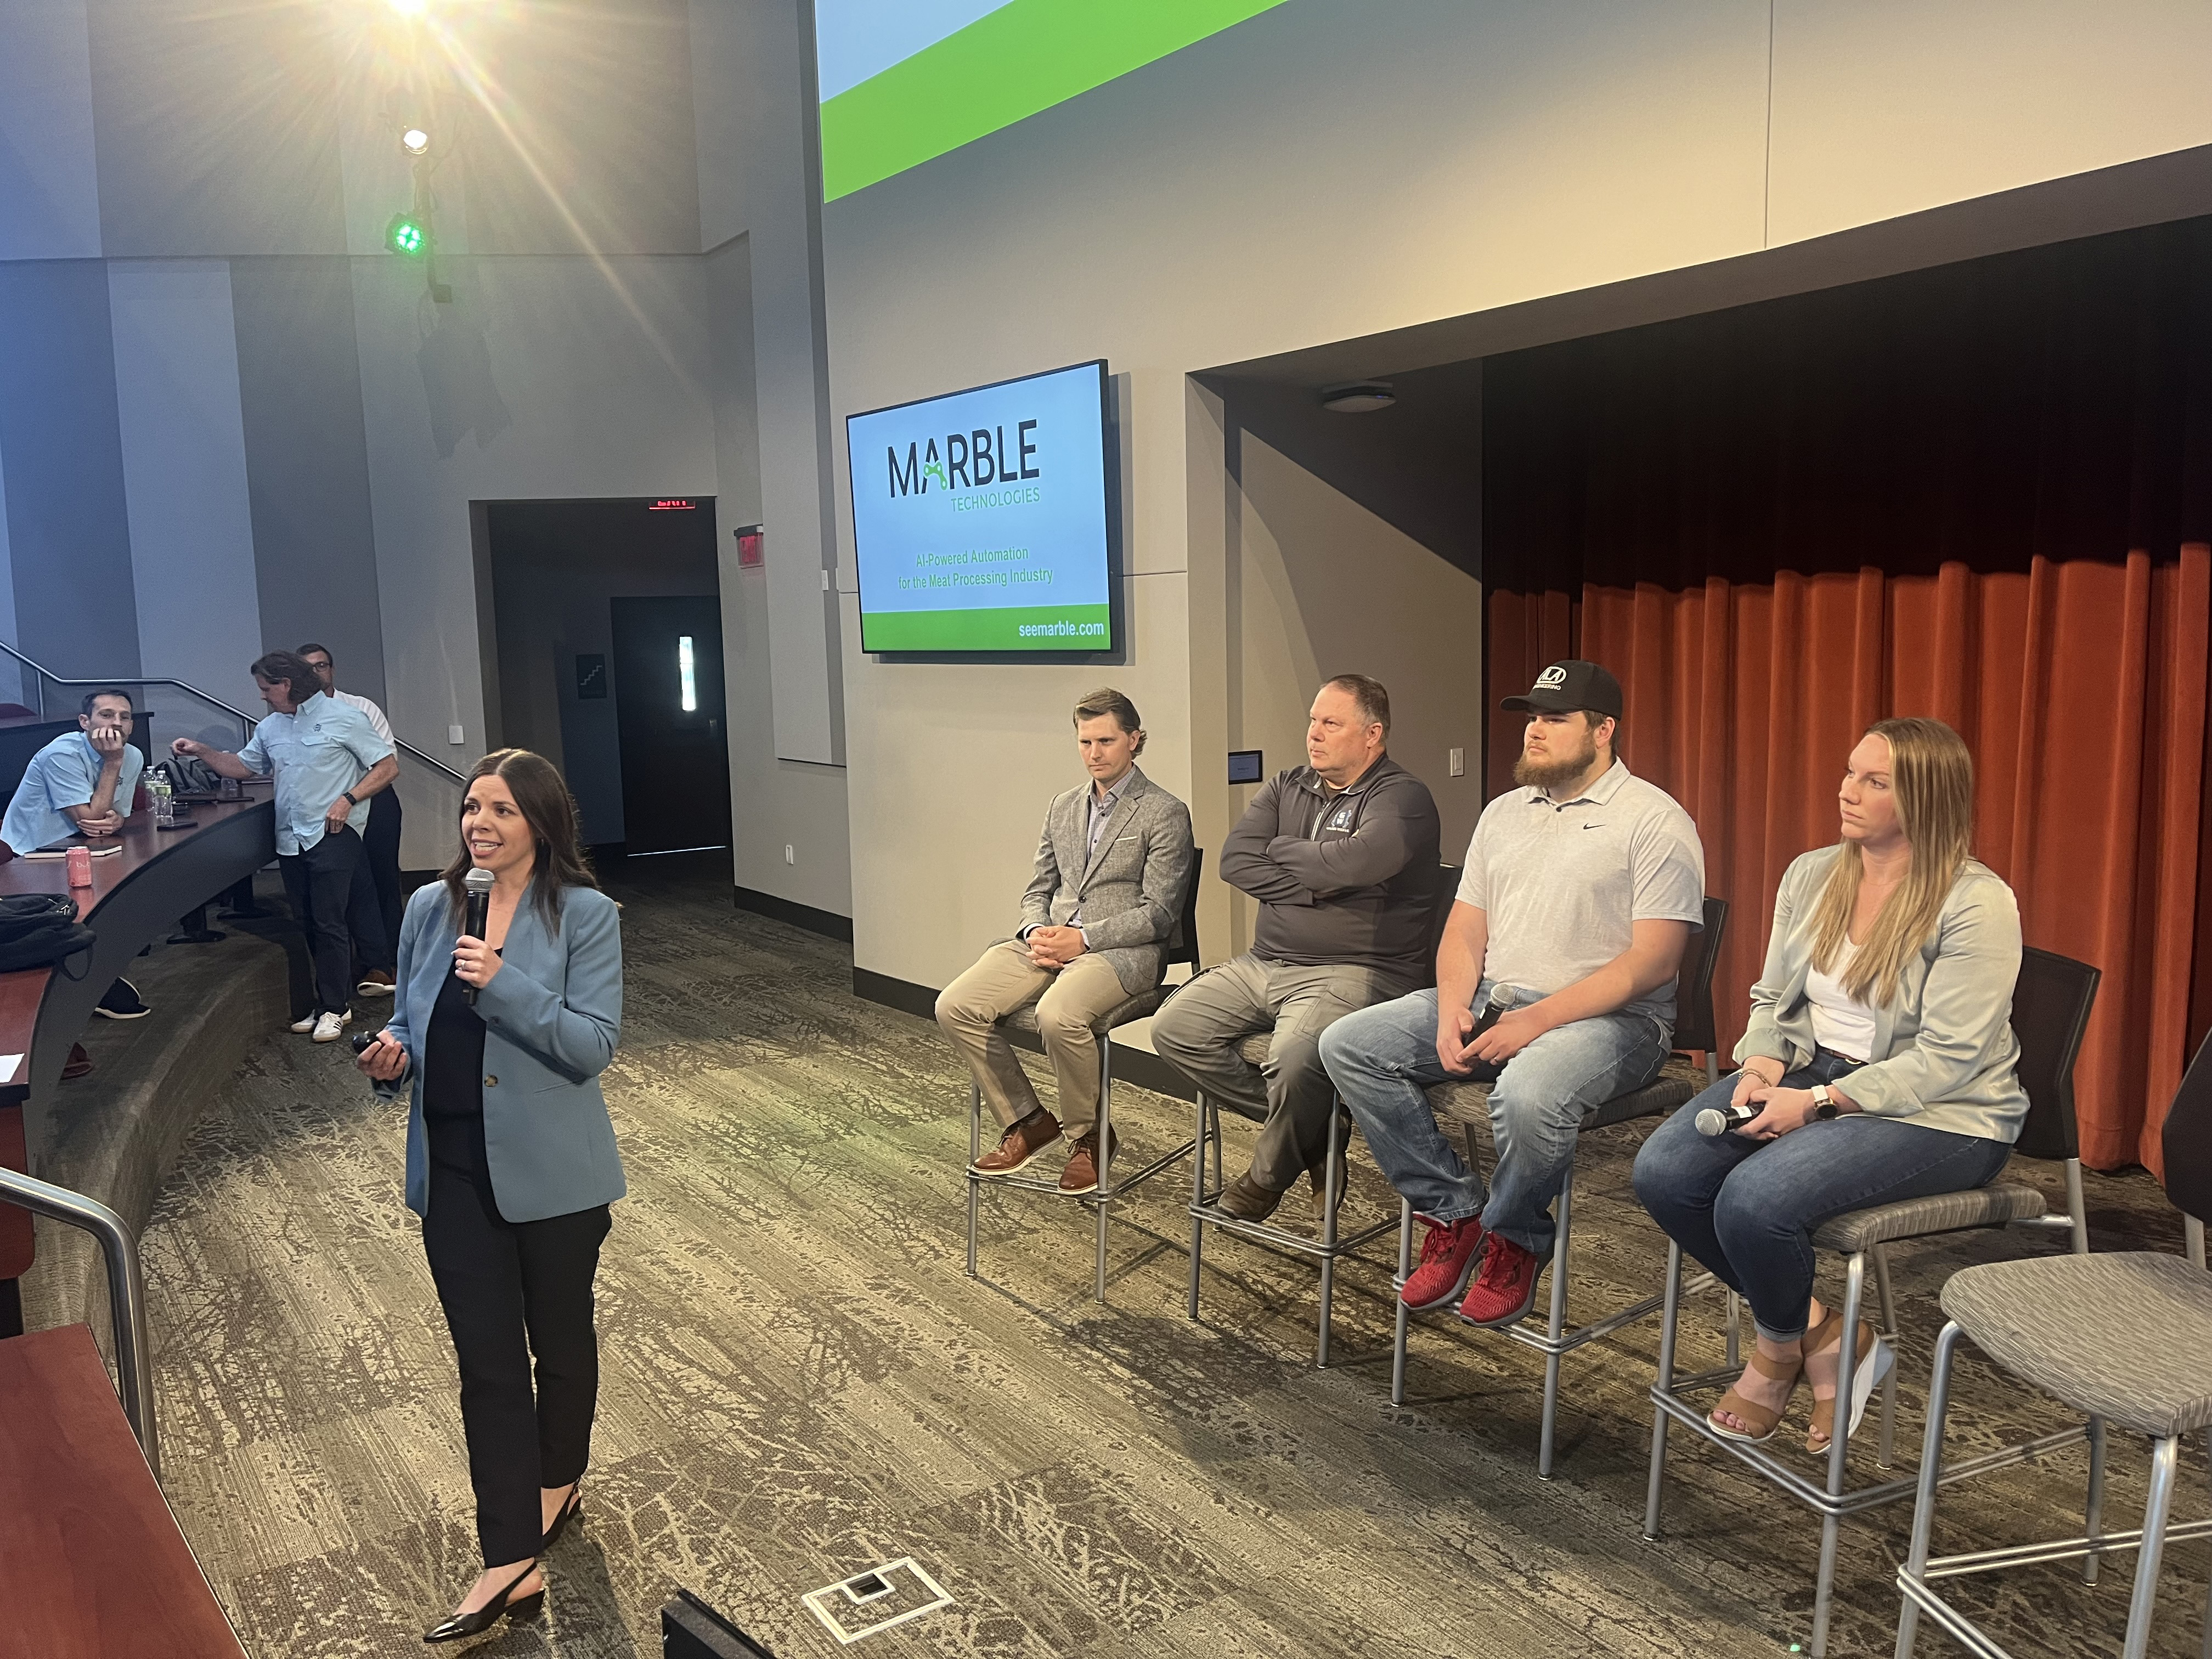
1563 882
375 714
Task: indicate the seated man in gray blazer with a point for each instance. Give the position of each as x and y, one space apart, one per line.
1096 918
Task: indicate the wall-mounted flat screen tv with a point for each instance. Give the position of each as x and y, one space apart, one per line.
983 519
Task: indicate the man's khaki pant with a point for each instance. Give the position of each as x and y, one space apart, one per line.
1069 1002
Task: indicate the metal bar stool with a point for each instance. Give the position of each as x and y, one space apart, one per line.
2050 1007
1020 1029
1675 1086
2124 1338
1333 1244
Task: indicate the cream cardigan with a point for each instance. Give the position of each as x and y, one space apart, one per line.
1944 1054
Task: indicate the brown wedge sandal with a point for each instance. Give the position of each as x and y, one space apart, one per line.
1765 1419
1873 1360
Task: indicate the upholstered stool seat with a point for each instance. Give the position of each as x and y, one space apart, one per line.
2126 1337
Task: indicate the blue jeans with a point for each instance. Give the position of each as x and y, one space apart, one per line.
1747 1209
1382 1057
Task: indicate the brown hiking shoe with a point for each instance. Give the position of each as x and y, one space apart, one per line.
1019 1145
1081 1174
1318 1176
1247 1199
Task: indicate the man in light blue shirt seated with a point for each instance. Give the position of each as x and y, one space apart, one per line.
82 784
327 761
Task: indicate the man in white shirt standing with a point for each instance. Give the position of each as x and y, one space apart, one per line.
376 881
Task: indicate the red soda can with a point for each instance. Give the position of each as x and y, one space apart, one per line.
80 866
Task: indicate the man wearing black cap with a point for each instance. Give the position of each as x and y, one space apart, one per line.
1555 984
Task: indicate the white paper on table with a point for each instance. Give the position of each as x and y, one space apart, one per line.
8 1065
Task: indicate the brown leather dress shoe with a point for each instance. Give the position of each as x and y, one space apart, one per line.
1020 1144
1247 1199
1081 1174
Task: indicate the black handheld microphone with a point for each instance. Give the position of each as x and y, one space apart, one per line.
476 916
1719 1120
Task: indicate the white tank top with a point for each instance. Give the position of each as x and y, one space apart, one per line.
1841 1023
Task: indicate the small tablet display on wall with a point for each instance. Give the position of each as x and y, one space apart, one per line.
982 519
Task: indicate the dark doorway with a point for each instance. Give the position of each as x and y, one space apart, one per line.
550 576
675 751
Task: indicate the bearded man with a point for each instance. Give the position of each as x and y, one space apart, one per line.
1555 984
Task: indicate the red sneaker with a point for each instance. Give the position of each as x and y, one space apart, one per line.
1448 1256
1507 1287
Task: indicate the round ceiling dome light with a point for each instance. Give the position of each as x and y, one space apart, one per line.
1360 397
415 141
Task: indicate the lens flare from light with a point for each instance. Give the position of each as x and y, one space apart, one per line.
409 7
415 141
683 668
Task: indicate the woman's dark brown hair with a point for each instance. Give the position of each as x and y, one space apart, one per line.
551 811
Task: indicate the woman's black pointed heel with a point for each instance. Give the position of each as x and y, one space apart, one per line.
569 1508
474 1624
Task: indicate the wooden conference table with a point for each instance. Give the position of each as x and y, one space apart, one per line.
135 898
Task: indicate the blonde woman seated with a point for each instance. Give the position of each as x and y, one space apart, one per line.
1879 1061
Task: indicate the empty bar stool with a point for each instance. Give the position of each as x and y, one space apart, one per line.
2126 1338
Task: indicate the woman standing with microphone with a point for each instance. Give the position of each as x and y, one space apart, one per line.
511 1160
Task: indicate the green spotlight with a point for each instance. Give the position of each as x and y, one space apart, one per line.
407 235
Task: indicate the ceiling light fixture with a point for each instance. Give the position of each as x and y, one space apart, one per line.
1360 397
415 141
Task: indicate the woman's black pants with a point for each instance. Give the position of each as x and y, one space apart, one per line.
511 1290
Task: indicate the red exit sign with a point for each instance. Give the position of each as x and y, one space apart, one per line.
674 504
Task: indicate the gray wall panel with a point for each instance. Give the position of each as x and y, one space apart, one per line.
49 189
184 473
219 126
68 532
306 460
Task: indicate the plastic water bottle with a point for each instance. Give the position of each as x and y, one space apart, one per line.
165 806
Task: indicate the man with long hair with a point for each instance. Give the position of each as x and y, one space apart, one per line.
1555 984
327 761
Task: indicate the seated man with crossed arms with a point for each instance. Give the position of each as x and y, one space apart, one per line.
1096 918
1341 855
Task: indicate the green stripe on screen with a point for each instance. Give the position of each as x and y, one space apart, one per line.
1074 628
1004 66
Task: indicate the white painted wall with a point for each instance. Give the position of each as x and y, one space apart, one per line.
601 368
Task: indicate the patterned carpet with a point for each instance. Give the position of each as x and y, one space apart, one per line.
801 1382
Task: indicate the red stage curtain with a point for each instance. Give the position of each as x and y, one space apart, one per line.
2080 686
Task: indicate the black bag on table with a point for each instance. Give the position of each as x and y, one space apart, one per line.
40 930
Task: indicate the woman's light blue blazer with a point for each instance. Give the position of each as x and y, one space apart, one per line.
552 1015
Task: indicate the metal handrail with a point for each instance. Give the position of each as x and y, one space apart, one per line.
126 1292
45 672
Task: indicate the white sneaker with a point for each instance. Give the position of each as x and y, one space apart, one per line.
305 1024
330 1027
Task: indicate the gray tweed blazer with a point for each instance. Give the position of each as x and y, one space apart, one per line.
1131 893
